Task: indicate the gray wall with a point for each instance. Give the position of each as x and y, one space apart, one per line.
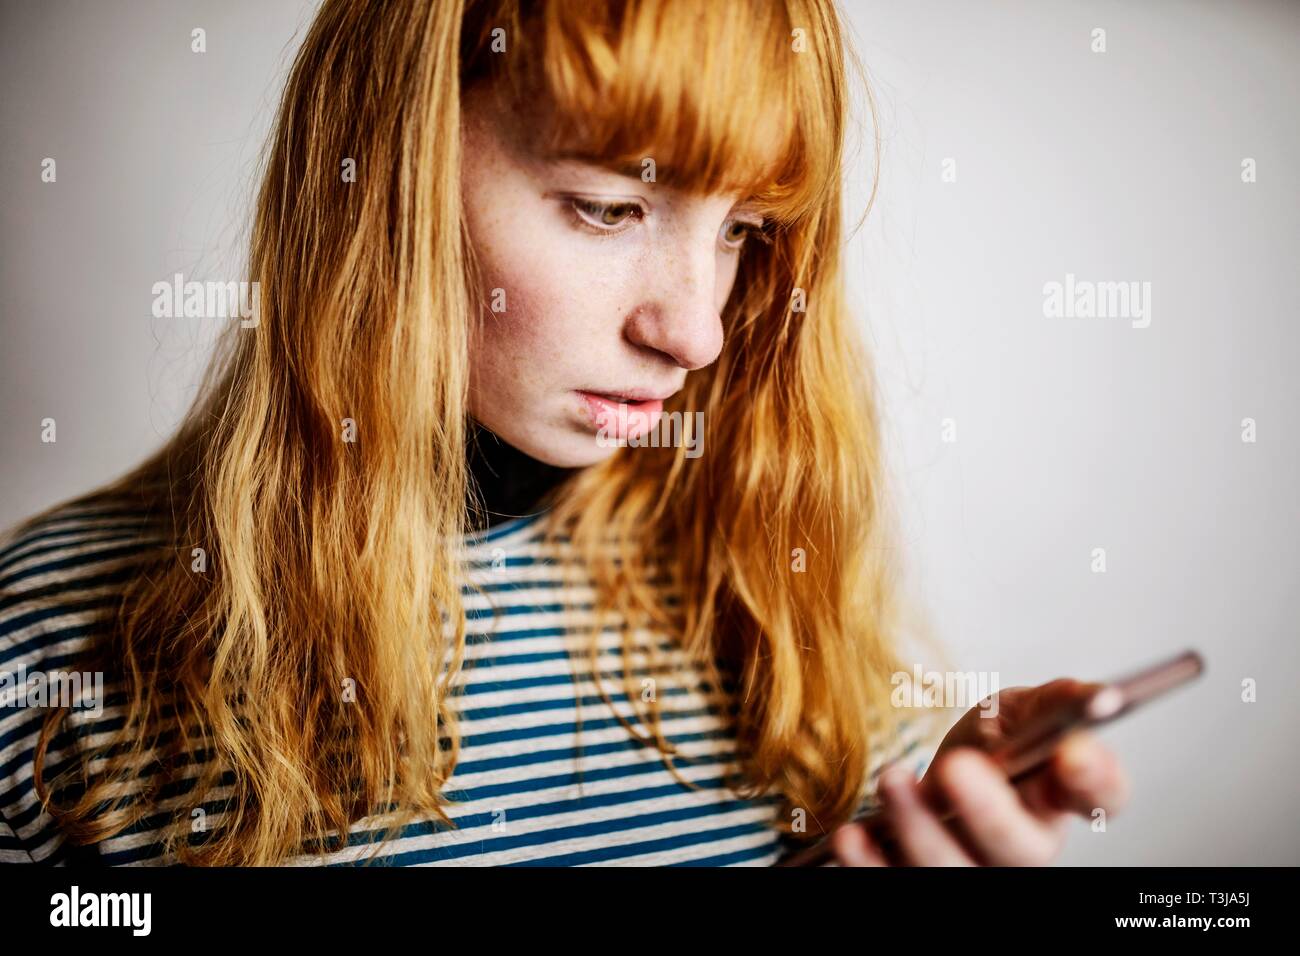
1079 433
1071 433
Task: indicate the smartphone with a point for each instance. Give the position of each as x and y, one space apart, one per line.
1028 752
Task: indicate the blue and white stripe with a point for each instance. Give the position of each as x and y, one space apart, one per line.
532 786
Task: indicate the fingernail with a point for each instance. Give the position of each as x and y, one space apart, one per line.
1077 764
893 780
851 850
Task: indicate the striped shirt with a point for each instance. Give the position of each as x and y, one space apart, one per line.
547 775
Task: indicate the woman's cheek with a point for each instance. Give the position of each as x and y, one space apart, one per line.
553 305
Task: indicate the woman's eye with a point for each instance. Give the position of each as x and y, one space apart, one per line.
736 231
606 215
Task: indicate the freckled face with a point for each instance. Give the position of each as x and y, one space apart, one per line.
607 285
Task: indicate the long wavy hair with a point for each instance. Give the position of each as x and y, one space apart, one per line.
333 563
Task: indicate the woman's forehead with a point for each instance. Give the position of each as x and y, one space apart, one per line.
538 136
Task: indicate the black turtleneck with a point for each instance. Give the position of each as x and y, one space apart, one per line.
510 483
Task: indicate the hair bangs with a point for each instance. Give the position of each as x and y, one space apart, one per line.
719 96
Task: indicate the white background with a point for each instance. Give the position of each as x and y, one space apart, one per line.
1072 434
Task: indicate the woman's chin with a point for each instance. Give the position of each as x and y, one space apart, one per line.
560 447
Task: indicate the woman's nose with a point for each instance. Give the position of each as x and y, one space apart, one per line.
678 316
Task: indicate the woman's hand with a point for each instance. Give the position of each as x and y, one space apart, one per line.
995 823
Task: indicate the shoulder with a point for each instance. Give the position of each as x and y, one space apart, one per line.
62 566
60 570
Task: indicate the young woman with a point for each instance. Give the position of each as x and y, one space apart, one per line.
408 586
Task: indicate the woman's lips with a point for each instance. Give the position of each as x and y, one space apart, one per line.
622 419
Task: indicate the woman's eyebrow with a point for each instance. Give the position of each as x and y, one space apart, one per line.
630 169
752 204
633 169
749 208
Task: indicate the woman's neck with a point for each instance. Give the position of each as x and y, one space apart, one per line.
510 483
